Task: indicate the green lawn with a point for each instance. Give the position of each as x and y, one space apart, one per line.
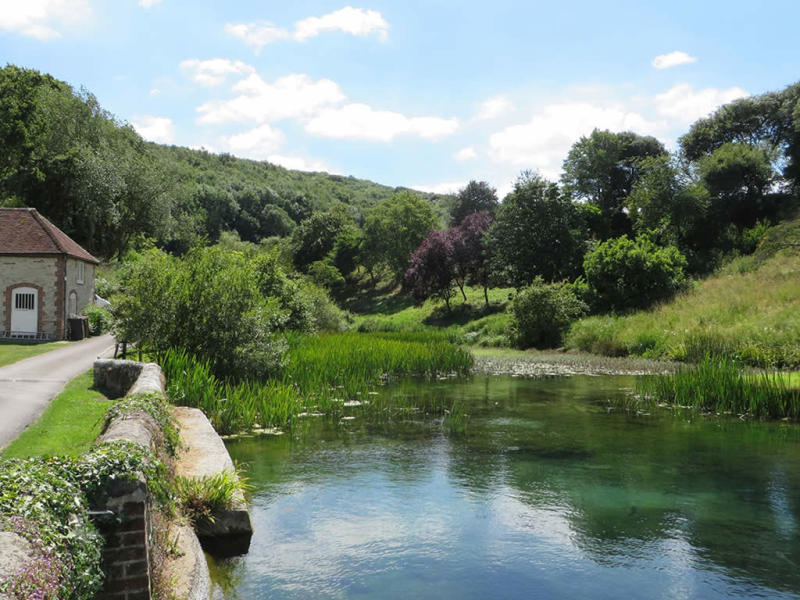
11 352
396 312
69 426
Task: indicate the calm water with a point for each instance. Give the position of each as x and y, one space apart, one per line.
547 495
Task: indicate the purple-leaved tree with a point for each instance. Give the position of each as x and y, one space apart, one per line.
450 258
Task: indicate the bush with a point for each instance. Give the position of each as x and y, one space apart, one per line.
99 319
210 303
625 274
542 312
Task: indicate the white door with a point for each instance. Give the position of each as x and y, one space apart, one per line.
24 310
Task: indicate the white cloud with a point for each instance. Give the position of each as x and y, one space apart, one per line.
292 96
257 34
360 121
148 3
299 164
257 143
355 21
213 72
468 153
683 105
673 59
493 108
445 187
155 129
155 92
42 19
543 142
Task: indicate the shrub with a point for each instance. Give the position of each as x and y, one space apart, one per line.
209 303
625 274
542 312
99 319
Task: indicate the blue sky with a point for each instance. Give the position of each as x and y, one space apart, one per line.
423 94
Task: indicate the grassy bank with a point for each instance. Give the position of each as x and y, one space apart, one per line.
68 427
389 310
749 311
11 352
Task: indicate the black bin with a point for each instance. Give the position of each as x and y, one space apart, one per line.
78 328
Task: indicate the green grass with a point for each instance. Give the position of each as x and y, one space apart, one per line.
719 385
11 352
748 311
393 311
69 426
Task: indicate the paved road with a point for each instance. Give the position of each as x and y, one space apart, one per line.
28 386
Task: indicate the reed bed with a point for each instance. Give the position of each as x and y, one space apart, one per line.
331 374
721 386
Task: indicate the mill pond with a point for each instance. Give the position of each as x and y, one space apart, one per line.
545 490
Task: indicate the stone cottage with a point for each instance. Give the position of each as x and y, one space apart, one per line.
45 277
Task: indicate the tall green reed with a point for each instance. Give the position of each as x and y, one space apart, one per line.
329 373
720 385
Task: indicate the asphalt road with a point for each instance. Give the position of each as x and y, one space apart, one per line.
28 386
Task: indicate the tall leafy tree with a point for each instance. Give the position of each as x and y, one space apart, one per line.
477 196
538 231
601 169
394 229
430 269
315 237
470 252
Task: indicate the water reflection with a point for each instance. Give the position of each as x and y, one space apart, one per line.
547 495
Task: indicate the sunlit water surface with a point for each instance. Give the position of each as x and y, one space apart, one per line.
548 494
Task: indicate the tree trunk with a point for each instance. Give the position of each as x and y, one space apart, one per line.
486 296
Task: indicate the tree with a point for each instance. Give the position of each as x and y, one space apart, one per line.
625 274
430 269
541 313
737 177
394 229
537 232
470 252
208 303
602 169
477 196
315 237
669 205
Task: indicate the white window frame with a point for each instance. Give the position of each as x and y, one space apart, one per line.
80 274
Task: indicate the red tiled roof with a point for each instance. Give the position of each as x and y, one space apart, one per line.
25 231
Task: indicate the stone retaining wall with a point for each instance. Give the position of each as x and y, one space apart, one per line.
127 526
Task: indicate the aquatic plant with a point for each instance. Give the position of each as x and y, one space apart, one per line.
720 385
324 373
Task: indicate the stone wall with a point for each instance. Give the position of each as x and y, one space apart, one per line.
83 290
127 526
128 533
38 272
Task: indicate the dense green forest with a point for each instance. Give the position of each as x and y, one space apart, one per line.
102 184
